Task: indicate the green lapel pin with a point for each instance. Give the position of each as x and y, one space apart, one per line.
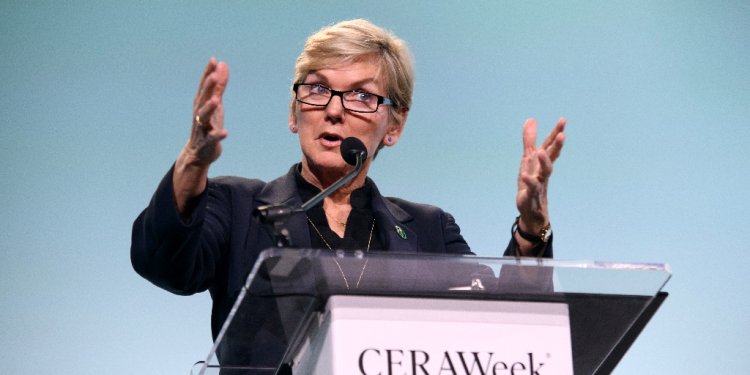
401 232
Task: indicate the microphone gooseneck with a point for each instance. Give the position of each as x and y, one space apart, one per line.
354 153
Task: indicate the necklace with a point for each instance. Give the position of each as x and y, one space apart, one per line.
343 275
339 222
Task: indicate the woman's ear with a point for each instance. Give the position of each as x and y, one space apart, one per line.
395 128
292 122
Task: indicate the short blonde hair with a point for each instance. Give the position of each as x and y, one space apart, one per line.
358 40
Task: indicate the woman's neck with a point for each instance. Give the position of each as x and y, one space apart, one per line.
324 178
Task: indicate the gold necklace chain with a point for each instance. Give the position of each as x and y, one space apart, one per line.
339 222
369 241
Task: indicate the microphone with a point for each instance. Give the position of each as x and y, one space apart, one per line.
353 151
351 148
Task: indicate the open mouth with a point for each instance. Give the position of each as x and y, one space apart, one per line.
330 139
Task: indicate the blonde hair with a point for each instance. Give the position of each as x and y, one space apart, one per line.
360 40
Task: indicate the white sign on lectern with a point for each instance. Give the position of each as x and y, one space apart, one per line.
423 336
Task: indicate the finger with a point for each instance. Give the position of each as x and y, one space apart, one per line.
545 166
554 142
204 114
556 147
529 137
210 67
221 75
213 86
559 128
529 164
217 121
206 92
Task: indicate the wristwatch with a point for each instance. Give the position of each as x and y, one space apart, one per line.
543 236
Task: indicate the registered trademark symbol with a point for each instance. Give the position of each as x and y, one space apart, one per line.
549 355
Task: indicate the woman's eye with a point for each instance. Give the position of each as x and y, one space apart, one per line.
363 96
318 89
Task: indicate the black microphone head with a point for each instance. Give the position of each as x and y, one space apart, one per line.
350 148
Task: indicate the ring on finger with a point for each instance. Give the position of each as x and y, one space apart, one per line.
198 121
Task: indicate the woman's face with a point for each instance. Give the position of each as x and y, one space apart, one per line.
321 129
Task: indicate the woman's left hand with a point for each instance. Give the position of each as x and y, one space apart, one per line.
533 178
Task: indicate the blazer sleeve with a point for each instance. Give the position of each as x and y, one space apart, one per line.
182 257
452 238
455 244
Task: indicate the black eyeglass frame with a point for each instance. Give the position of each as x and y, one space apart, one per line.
381 99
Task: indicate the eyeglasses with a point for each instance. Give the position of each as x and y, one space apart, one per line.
352 100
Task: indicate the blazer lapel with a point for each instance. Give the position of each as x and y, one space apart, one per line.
393 225
283 191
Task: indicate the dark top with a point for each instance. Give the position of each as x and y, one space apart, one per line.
360 226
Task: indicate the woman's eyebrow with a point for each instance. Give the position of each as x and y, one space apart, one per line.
359 83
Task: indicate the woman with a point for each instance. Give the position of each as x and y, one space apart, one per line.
352 79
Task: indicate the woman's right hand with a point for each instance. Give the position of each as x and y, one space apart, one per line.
204 145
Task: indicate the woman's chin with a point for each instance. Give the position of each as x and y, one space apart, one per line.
328 164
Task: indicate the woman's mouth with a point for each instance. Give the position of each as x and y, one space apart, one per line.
330 140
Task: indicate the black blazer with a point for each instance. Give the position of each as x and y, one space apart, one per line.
216 249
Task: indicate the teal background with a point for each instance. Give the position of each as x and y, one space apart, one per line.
96 104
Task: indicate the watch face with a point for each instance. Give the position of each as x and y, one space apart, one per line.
546 234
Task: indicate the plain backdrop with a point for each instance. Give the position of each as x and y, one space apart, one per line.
96 104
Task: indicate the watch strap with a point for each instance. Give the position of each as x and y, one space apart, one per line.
543 236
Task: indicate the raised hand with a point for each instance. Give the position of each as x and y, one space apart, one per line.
533 178
204 144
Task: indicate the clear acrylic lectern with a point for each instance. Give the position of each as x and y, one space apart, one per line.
287 291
